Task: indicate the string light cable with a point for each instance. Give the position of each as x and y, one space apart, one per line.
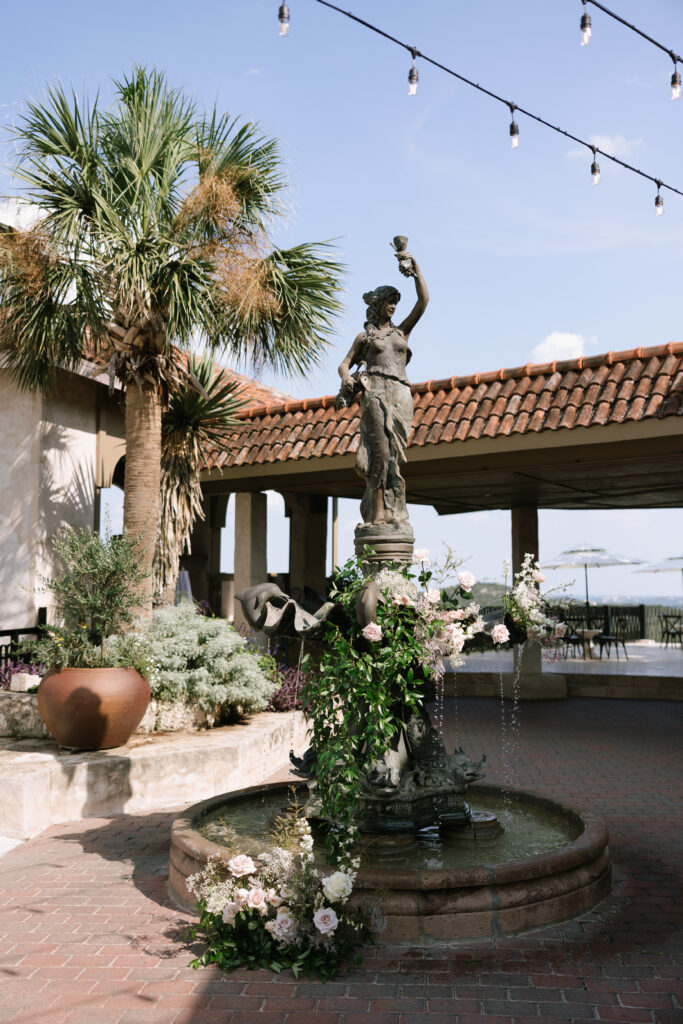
586 36
514 127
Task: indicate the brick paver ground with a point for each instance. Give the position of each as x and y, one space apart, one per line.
88 936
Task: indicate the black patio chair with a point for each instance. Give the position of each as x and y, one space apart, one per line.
613 639
671 630
573 638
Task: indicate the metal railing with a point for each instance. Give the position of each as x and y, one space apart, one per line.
11 641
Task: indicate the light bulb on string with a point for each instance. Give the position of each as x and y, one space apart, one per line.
283 18
586 31
595 168
514 128
676 83
659 202
413 76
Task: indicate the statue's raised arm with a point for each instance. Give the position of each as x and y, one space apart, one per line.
407 264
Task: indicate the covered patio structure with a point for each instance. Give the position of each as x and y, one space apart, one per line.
599 432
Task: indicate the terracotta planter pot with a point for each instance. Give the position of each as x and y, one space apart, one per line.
92 708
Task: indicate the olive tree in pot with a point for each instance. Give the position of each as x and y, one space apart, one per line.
93 696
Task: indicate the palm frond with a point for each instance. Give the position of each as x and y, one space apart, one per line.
289 334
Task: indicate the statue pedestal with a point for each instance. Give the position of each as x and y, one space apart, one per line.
392 542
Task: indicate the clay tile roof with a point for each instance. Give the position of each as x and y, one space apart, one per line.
587 392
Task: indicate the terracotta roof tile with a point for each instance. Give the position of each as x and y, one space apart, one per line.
585 416
476 427
619 410
553 420
491 428
636 410
568 416
581 393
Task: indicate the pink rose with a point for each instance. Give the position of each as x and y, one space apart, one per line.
241 897
230 912
466 580
457 615
241 865
433 596
537 576
372 632
499 633
560 629
458 641
325 920
256 900
421 555
283 928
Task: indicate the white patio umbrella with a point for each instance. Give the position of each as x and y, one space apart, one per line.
672 564
590 558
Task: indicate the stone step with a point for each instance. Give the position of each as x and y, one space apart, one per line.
44 784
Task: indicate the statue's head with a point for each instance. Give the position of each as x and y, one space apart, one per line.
375 300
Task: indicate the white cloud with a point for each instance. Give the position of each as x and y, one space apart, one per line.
616 145
559 345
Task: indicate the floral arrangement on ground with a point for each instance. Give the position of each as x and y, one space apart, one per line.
278 911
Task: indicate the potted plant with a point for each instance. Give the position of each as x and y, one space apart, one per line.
93 696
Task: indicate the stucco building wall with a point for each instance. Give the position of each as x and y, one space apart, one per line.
55 452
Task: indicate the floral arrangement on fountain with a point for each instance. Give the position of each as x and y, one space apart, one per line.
527 608
371 681
278 911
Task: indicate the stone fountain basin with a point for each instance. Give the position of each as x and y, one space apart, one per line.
436 906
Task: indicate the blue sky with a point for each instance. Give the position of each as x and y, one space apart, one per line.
525 259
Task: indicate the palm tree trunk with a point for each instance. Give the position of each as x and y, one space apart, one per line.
142 476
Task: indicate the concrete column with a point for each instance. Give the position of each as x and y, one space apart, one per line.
250 544
204 561
307 543
525 540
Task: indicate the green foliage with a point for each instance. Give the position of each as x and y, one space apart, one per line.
356 699
156 213
195 658
96 592
198 416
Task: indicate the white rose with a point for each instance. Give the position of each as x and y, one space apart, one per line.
466 580
372 632
538 576
421 555
241 896
241 865
499 633
433 596
337 887
325 920
457 641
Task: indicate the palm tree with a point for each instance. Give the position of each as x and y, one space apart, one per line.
154 232
196 419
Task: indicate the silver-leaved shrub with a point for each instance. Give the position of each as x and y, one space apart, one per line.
195 658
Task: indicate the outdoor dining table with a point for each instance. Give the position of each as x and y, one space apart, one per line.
587 637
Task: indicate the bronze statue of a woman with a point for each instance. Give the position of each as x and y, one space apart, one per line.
381 352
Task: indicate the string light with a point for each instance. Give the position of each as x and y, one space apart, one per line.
514 127
586 30
675 78
659 202
283 18
595 167
413 76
